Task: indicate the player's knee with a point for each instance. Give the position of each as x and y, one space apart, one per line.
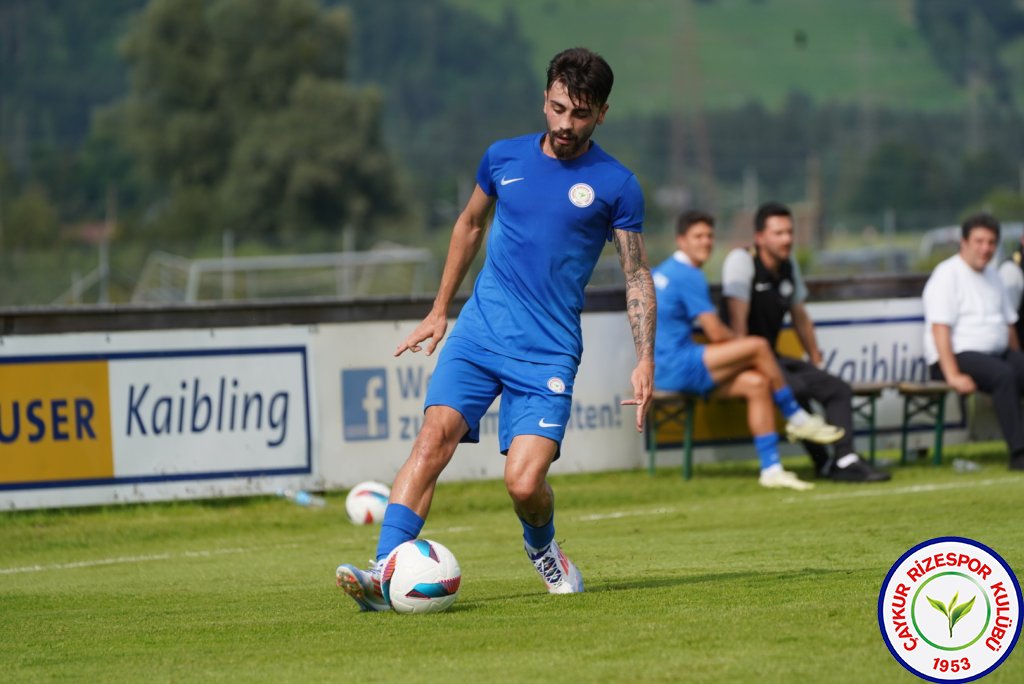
842 390
754 384
434 446
523 486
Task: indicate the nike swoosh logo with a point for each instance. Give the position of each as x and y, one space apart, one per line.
542 423
506 181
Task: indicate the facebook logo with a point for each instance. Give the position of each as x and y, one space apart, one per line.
364 403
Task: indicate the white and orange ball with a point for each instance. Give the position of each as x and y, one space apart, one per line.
366 503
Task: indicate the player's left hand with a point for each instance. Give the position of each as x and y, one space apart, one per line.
642 380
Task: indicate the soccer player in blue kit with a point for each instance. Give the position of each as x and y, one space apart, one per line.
558 197
727 366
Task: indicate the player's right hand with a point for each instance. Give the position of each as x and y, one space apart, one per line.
432 328
963 383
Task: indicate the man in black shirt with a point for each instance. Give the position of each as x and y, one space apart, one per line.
760 285
1012 274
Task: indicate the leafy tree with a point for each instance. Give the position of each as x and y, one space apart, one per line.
452 84
240 111
31 220
57 62
967 38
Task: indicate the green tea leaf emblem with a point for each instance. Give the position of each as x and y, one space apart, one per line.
953 613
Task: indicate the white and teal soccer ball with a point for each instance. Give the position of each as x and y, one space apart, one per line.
420 576
366 502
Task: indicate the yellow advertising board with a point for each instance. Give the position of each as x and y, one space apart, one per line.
55 421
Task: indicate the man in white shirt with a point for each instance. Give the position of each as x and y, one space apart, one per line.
970 340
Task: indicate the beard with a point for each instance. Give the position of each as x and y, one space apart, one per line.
570 149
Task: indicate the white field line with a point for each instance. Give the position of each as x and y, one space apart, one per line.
129 559
900 491
625 514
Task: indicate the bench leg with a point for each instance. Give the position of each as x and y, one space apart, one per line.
652 442
871 429
940 425
903 437
688 442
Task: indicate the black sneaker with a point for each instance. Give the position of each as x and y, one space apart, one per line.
857 470
1017 462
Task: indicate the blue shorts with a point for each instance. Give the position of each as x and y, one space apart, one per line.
536 399
685 373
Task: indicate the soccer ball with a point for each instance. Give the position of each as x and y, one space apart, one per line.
420 576
366 502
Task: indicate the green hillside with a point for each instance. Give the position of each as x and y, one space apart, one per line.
849 52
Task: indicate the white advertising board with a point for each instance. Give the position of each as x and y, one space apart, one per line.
144 416
376 401
96 418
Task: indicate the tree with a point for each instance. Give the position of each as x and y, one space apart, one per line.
966 38
57 62
31 220
452 83
904 177
238 110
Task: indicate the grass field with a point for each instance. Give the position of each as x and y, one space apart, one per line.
736 51
715 580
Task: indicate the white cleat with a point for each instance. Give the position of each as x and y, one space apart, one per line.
560 575
362 585
783 479
816 430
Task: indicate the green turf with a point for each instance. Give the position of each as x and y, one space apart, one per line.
737 51
715 580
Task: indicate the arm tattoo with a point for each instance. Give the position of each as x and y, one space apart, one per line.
640 303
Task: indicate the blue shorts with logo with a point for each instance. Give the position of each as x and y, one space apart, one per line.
685 373
536 399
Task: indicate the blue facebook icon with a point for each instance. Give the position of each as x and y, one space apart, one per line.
364 403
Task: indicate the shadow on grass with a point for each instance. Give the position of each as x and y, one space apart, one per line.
663 582
669 581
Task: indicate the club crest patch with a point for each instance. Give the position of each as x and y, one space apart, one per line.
582 195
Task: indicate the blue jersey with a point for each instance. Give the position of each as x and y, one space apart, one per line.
683 295
550 224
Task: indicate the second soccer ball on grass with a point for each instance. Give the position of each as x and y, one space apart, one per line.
366 502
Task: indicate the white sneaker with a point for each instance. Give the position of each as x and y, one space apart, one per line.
558 572
362 585
783 479
814 429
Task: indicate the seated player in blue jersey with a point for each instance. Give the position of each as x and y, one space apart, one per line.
729 366
557 198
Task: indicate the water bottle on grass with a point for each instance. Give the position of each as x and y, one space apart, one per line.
962 465
302 498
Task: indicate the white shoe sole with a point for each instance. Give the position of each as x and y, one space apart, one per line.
347 581
831 438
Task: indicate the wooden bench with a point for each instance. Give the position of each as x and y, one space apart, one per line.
678 408
926 399
865 396
666 408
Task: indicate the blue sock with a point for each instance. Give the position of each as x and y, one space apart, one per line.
767 449
785 400
538 537
400 524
